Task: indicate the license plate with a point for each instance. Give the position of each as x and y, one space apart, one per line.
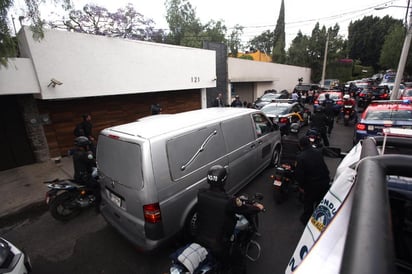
277 183
115 199
346 116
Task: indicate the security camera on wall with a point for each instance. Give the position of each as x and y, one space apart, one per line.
54 82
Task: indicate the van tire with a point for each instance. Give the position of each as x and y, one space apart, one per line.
275 157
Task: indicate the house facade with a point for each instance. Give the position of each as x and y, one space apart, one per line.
45 91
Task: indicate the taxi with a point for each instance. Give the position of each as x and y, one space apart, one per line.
383 114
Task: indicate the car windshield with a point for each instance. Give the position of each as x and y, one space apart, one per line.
276 109
268 97
389 115
332 96
362 85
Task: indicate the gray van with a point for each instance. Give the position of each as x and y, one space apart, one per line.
150 170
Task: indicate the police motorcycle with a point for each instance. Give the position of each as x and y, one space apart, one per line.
66 198
283 178
196 259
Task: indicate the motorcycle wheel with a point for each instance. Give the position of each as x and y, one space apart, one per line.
63 207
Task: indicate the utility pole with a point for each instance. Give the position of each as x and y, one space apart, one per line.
402 60
325 57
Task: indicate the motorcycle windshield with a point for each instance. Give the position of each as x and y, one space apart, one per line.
120 162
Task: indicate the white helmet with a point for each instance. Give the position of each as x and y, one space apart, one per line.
346 97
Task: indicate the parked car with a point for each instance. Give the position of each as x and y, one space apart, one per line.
285 112
329 84
373 93
269 97
358 227
383 114
12 259
336 96
406 94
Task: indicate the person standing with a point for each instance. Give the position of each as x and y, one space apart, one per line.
320 121
312 175
329 111
218 102
237 103
85 129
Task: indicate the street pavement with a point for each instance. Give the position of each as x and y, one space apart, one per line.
22 188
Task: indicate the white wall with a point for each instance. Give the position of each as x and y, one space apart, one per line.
18 78
90 65
267 75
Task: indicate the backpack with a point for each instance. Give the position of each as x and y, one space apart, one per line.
78 130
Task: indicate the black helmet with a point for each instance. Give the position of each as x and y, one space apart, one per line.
327 95
82 141
318 109
294 128
216 176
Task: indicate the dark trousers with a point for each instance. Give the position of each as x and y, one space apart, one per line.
311 199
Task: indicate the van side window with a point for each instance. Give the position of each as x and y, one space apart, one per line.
193 150
238 132
262 125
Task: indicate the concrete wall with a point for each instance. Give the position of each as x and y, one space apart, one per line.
91 65
18 77
266 75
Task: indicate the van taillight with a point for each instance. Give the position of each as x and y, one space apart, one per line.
113 136
152 213
360 126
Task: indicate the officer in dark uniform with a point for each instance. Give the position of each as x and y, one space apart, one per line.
320 121
216 217
329 111
83 163
312 175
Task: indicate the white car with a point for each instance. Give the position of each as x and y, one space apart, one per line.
357 227
12 259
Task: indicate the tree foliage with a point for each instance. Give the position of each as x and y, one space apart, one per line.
125 23
263 42
366 38
185 28
278 53
234 42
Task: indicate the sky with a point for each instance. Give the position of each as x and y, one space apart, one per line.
258 16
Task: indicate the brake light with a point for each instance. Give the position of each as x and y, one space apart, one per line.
316 102
152 213
360 126
283 120
339 102
113 136
385 95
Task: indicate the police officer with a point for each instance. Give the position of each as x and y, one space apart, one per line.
329 111
312 175
320 121
83 163
216 217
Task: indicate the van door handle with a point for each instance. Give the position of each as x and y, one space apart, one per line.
253 146
260 142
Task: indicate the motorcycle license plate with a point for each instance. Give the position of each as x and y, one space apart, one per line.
277 183
346 116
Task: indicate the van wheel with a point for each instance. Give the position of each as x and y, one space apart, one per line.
275 157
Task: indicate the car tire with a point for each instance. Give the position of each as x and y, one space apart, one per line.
275 157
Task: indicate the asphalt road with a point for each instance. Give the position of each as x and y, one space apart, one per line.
88 245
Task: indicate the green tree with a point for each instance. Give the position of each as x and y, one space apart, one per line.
234 42
8 46
278 53
186 29
298 52
263 42
366 38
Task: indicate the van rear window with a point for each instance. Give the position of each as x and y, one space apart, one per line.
120 161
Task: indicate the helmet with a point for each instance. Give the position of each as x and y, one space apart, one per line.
318 109
327 95
81 141
216 176
294 128
346 97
